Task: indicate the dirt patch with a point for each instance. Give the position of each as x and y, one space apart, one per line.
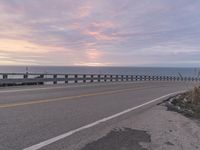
121 139
169 143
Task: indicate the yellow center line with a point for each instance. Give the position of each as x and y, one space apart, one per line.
69 97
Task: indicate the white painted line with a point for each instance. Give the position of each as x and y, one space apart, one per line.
62 136
68 86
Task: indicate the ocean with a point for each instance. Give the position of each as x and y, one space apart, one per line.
192 72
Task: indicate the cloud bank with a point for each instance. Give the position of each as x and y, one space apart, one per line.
100 32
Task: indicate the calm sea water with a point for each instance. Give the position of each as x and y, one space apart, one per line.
103 70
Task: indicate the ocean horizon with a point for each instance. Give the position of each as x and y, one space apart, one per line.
170 71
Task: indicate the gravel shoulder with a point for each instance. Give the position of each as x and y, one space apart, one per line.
154 129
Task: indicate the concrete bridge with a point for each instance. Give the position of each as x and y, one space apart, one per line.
60 116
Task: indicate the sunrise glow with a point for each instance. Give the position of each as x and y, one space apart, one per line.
99 33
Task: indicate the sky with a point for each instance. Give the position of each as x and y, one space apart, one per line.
164 33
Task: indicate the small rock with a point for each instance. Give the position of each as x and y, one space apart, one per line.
185 100
170 130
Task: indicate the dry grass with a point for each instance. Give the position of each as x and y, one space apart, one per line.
195 98
187 103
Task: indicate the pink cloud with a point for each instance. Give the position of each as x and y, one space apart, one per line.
99 35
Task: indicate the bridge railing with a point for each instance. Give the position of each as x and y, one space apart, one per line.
32 78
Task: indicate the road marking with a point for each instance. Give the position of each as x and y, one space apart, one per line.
71 86
65 135
71 97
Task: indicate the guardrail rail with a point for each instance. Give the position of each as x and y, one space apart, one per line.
7 79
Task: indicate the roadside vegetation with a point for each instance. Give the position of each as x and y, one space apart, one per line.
187 103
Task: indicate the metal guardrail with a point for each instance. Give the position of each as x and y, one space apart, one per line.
32 78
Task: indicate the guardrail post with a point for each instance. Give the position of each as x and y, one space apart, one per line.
41 77
84 78
66 78
122 78
148 78
25 76
55 78
92 78
156 78
99 78
136 78
141 78
105 78
117 78
5 76
127 78
75 78
131 77
111 78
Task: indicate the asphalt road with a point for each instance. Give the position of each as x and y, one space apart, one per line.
30 115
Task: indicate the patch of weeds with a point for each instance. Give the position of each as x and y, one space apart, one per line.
187 103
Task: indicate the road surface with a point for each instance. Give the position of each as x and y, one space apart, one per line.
31 115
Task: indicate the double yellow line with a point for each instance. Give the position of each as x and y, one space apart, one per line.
9 105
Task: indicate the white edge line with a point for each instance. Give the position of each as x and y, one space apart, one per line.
62 136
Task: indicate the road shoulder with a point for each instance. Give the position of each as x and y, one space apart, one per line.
167 130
